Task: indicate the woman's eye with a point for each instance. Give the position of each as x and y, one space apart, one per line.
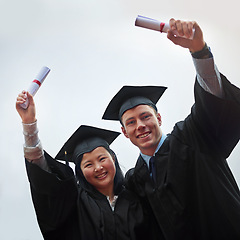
88 165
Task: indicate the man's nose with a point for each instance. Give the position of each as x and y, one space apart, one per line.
140 124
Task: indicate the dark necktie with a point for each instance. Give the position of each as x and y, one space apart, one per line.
152 168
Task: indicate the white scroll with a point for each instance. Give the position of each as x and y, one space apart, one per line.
36 83
153 24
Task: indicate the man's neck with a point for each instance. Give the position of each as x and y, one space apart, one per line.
151 152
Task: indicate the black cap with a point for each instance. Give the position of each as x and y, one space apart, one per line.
83 140
131 96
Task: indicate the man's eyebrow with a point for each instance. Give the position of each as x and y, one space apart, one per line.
129 119
146 112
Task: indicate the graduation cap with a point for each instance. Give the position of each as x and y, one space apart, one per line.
83 140
131 96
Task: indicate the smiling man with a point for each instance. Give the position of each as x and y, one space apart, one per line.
141 126
183 177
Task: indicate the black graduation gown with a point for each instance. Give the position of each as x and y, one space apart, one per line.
66 211
195 195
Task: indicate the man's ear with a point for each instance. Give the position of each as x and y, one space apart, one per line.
159 118
124 132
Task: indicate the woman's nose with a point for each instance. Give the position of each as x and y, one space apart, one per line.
98 167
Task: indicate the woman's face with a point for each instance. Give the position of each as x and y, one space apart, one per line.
98 168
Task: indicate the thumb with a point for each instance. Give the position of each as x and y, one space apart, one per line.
198 31
198 41
30 98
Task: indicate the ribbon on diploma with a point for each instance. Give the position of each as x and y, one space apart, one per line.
162 26
37 82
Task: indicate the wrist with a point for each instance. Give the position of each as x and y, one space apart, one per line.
205 52
30 132
29 121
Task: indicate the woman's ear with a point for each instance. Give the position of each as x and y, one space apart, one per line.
113 157
124 132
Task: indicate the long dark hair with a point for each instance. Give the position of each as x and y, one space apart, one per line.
118 178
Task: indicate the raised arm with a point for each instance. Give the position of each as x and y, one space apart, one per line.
208 75
33 150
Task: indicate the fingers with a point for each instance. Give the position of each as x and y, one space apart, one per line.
181 33
183 28
30 98
178 40
21 98
187 29
27 115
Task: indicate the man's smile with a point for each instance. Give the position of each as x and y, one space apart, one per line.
143 135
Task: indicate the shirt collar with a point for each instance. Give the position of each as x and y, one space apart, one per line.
146 158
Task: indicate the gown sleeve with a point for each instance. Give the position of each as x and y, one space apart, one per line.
54 195
217 119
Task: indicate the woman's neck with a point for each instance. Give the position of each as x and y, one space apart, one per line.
108 193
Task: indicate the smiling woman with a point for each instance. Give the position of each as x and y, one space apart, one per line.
99 170
94 204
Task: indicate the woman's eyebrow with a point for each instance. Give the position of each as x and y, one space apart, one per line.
85 162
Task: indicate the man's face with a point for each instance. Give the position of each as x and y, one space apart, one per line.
141 125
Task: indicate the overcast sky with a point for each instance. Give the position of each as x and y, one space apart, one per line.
93 49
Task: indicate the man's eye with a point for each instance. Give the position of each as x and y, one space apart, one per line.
146 116
130 122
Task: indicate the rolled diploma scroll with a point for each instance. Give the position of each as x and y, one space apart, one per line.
154 25
36 83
